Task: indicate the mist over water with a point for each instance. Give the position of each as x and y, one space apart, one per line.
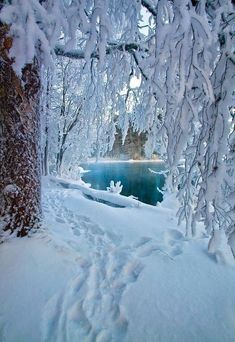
135 177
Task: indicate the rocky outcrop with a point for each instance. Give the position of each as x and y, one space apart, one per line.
133 147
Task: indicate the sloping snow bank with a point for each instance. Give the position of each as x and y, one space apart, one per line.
99 273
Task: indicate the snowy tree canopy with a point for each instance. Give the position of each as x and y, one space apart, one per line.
183 52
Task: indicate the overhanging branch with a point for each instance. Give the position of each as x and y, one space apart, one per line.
60 50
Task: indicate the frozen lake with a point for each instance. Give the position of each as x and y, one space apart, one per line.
136 178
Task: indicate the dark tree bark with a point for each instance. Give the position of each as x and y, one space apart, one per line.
45 156
19 143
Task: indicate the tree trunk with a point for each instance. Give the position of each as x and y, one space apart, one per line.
46 132
59 160
46 153
19 143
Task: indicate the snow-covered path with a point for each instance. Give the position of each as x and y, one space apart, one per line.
99 273
89 308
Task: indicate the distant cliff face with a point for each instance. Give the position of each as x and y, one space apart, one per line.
133 147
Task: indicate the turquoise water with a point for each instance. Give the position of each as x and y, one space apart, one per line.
136 178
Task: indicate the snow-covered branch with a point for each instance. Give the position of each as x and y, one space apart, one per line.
149 7
61 50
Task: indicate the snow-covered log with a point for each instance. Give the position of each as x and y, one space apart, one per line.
110 198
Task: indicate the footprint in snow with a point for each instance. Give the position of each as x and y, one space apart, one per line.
60 220
89 309
142 241
171 246
174 234
174 241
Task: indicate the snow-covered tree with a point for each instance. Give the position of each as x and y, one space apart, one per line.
75 118
63 116
183 51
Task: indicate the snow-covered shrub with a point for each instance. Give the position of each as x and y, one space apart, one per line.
115 188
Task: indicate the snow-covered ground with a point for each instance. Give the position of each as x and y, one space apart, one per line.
102 273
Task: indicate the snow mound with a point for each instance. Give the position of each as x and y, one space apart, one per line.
218 246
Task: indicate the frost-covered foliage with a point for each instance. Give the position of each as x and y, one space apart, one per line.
191 73
76 124
184 56
197 98
64 121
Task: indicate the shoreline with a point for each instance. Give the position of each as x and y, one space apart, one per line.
122 161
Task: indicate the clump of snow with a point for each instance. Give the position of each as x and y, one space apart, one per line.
115 188
218 246
80 171
11 190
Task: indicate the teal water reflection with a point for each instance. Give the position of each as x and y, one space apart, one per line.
136 178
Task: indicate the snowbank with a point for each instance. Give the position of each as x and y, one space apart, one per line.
102 273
